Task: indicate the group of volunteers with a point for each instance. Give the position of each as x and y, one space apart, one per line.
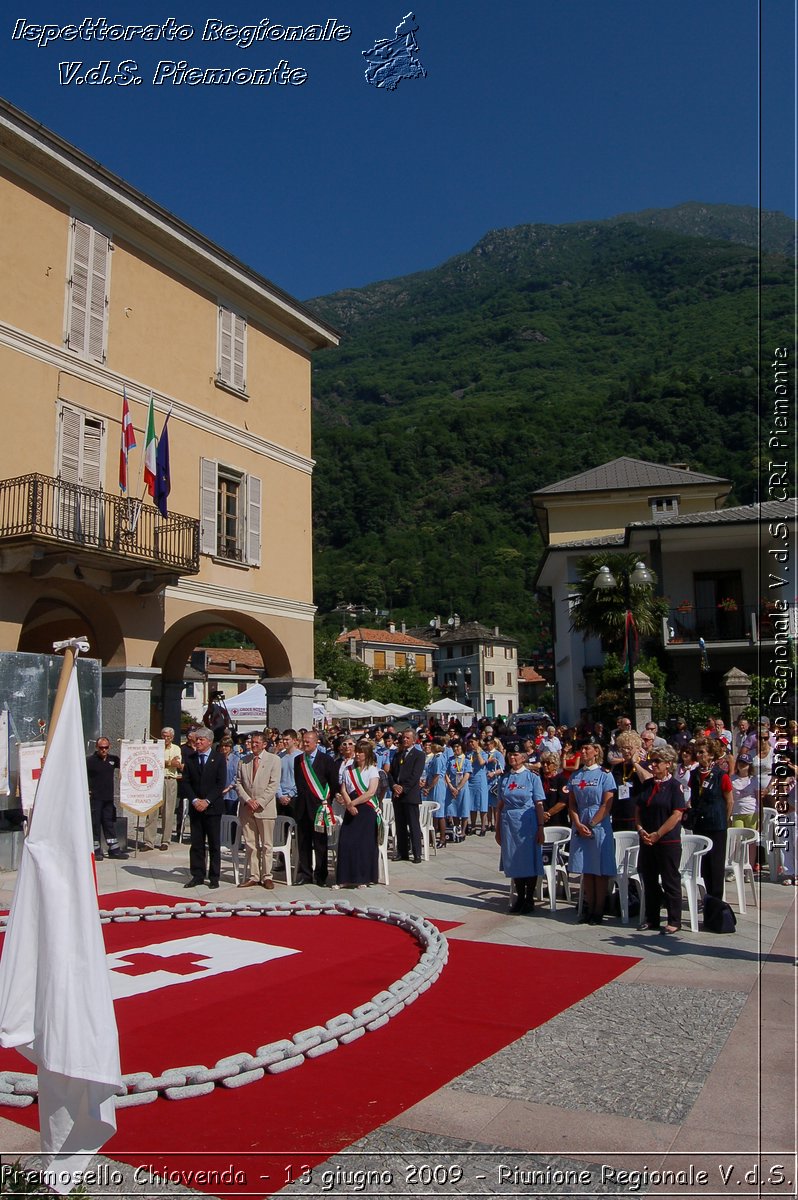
480 780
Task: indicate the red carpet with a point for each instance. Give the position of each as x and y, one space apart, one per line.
488 996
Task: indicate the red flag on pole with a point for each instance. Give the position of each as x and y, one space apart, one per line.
128 442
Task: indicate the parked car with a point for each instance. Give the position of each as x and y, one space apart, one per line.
524 725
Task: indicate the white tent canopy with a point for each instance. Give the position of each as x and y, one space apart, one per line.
399 710
378 710
248 705
345 709
449 708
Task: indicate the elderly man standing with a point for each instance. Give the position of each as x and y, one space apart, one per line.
173 770
204 781
257 782
316 782
406 771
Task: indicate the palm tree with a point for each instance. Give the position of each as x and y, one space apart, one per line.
603 612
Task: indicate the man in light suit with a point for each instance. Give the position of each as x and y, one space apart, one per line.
406 771
257 782
204 781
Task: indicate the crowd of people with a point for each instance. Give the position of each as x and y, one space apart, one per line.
482 780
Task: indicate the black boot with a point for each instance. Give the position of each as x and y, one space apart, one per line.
517 905
529 900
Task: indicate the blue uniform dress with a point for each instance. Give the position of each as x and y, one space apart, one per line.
437 792
478 782
519 792
594 855
458 806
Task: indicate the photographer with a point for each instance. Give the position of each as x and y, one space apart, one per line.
216 717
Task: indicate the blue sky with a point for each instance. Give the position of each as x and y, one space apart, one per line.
532 111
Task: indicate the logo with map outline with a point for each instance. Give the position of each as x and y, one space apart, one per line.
390 60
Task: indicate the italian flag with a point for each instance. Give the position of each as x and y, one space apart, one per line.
150 450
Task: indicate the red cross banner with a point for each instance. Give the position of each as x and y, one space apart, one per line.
141 776
31 758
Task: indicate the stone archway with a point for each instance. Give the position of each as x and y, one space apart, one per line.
175 647
70 610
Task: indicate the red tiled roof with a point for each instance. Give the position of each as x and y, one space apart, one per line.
383 637
218 659
529 675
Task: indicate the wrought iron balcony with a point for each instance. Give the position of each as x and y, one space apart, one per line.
729 623
61 521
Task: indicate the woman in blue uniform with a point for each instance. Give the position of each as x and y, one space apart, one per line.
519 828
478 784
495 770
590 791
457 801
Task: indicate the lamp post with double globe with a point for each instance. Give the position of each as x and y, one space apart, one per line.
606 584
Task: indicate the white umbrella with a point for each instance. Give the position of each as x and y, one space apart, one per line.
449 708
343 708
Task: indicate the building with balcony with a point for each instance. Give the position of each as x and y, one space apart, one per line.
105 295
718 568
475 665
387 650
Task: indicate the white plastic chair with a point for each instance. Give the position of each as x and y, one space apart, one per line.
231 840
382 846
772 849
694 847
285 844
627 849
389 820
427 809
556 836
738 862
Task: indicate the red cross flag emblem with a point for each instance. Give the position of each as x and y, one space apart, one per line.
141 776
185 960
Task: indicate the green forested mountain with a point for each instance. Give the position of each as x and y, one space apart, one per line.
545 350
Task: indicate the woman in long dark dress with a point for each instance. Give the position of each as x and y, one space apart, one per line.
358 856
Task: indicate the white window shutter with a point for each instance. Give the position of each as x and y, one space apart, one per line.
98 296
225 345
239 372
77 317
91 456
69 445
232 349
208 490
254 489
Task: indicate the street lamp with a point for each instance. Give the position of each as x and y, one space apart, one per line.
606 583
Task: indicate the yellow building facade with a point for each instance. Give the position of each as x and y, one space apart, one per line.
103 295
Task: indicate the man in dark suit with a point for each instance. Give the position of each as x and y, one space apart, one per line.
316 784
406 771
204 781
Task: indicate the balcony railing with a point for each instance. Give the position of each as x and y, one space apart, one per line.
39 508
744 623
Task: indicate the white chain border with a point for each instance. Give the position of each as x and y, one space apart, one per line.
18 1089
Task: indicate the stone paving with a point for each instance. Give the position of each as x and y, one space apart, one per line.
684 1064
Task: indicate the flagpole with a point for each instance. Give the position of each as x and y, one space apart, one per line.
72 647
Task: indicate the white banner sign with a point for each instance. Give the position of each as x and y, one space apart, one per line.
4 787
31 757
141 776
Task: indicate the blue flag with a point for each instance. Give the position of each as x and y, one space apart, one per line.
163 481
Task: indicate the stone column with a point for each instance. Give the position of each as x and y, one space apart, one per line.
171 705
290 701
127 702
737 686
643 698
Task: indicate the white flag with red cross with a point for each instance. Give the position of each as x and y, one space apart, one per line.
141 773
31 760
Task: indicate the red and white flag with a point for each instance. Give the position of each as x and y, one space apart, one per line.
55 993
128 442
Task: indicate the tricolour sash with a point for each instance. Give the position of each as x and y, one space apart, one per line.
356 788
